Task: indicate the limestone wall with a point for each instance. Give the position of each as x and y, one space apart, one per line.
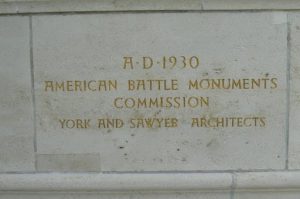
79 45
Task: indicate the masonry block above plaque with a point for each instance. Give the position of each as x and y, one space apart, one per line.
161 91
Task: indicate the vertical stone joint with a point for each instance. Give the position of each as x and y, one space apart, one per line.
288 90
233 185
32 88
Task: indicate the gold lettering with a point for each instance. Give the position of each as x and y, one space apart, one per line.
128 62
147 62
49 85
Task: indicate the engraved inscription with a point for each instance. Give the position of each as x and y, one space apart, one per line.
167 100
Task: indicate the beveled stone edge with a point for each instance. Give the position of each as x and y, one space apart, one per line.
57 6
267 180
251 5
114 182
171 182
62 6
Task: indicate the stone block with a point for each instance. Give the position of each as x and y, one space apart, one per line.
16 108
294 117
240 47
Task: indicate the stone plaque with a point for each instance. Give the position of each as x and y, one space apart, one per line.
160 91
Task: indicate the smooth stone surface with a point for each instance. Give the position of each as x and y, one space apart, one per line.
16 109
271 194
250 5
179 185
178 195
115 186
36 6
68 162
230 45
267 185
98 182
267 180
294 117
